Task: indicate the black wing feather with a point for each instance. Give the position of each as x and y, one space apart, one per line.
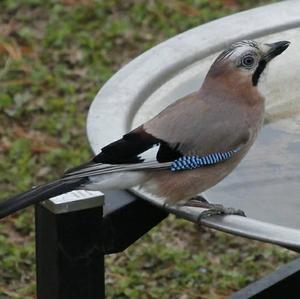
128 149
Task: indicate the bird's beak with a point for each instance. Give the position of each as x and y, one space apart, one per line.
275 49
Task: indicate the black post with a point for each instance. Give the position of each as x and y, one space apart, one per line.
70 259
72 236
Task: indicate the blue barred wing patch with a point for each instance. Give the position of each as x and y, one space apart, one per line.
192 162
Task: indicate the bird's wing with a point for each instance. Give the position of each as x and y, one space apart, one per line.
185 129
134 151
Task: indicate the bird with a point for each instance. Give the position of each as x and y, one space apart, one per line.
188 147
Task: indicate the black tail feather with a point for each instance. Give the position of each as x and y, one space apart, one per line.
38 194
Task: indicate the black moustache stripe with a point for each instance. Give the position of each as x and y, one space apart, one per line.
260 68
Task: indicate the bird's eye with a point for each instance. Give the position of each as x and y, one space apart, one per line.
247 61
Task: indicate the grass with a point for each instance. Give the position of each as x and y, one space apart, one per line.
54 57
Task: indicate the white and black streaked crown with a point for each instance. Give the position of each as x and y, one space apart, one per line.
238 48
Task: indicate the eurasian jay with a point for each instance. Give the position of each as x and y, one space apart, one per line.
194 143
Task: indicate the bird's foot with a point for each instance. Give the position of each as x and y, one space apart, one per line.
212 209
216 209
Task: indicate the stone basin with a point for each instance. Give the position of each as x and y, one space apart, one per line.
266 183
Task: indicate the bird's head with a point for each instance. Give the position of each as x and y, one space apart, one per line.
247 59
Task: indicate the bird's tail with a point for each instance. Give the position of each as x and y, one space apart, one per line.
38 194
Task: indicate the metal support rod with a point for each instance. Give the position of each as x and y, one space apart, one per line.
282 283
126 219
69 255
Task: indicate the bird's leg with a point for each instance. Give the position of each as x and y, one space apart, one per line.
212 209
198 202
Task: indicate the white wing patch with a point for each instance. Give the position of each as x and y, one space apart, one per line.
150 154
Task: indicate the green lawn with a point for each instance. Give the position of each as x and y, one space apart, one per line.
54 57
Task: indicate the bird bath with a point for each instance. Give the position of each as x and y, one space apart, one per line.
266 184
